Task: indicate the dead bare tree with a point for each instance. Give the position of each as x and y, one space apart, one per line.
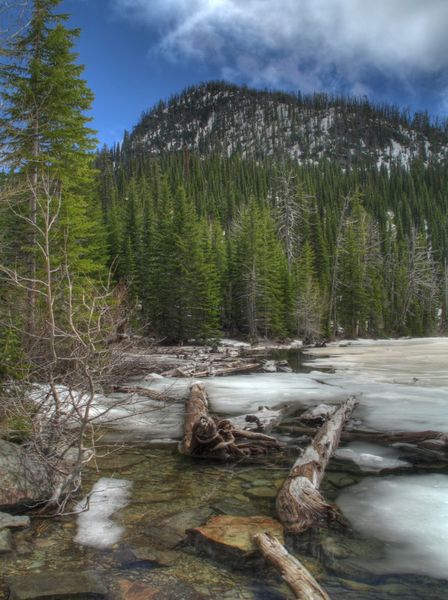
66 351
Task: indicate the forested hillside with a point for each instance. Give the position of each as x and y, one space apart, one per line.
275 248
220 118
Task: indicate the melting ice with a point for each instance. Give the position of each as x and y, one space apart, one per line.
95 528
410 514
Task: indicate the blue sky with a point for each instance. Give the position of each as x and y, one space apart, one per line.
137 52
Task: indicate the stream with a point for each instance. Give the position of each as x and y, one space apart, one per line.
390 542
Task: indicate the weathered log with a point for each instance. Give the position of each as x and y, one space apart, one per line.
141 391
227 370
299 503
419 438
196 408
218 438
298 578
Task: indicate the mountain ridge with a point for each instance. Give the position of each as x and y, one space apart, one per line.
217 117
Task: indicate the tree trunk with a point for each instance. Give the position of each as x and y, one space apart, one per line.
196 408
298 578
299 503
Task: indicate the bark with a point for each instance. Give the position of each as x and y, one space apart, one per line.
298 578
196 408
223 439
299 503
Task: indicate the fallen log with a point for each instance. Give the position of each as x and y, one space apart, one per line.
211 437
298 578
227 370
196 408
419 438
141 391
299 503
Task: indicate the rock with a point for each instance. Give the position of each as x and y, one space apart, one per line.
12 522
135 590
23 479
262 492
5 541
229 538
162 558
168 588
236 507
269 366
56 586
170 531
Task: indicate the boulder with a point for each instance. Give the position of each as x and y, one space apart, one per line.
56 586
230 539
12 522
170 531
23 479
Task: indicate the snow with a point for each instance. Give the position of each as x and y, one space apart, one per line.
95 528
410 514
371 457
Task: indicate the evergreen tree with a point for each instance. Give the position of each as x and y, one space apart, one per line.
47 146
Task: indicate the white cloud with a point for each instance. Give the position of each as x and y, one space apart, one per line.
306 43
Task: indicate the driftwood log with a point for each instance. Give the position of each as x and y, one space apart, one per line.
240 368
211 437
141 391
299 503
298 578
424 439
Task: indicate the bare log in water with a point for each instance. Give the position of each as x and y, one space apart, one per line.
298 578
196 408
299 503
141 391
227 370
210 437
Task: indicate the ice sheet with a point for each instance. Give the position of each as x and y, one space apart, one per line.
371 457
95 528
421 361
410 514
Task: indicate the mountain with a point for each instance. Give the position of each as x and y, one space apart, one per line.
220 118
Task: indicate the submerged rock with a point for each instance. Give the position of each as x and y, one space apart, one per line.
13 522
230 538
5 541
56 586
169 588
170 531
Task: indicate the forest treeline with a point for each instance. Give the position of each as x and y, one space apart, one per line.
192 245
268 249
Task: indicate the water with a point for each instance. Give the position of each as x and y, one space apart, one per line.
352 559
